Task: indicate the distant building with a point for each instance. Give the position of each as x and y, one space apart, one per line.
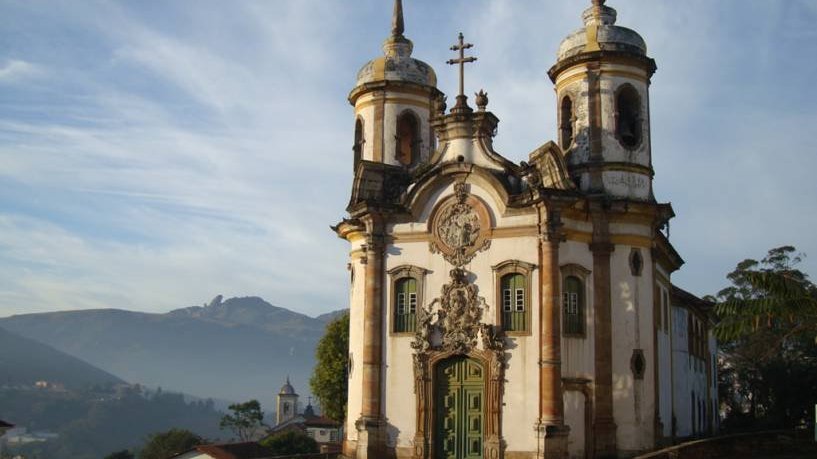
247 450
287 404
323 430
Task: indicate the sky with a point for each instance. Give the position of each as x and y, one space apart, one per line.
156 154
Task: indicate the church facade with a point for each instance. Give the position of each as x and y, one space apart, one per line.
503 310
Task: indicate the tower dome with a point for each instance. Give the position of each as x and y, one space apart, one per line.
397 64
600 33
287 389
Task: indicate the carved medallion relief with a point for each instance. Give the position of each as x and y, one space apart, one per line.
460 227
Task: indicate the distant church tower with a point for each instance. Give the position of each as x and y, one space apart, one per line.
287 406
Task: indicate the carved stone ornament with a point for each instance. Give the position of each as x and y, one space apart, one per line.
460 228
449 326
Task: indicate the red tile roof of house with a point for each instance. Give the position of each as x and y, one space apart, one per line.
247 450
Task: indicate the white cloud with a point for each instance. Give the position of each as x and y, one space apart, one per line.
16 70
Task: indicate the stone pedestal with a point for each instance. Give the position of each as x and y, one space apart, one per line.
370 438
552 441
604 439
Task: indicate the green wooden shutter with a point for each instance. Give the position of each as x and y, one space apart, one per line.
573 306
514 302
405 305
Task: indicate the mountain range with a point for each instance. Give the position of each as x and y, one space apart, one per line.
235 349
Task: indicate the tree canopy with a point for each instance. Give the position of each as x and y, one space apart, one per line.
167 444
329 381
245 421
290 442
768 354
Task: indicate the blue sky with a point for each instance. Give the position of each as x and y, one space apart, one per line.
155 154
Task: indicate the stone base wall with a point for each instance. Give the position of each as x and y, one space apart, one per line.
748 445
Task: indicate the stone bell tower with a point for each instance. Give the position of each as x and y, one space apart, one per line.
602 80
287 403
393 99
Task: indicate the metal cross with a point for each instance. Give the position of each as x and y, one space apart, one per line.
461 47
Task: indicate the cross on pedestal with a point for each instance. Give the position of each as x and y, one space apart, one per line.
461 46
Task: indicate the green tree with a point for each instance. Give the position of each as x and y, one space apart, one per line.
329 381
768 354
245 421
290 442
166 444
124 454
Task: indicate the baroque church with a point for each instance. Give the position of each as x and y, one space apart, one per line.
504 310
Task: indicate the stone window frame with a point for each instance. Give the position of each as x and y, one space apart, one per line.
639 122
395 275
416 146
526 270
360 141
583 274
567 124
636 262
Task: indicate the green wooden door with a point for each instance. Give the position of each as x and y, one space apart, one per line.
459 393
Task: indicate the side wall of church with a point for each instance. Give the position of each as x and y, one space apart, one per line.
632 316
693 381
664 327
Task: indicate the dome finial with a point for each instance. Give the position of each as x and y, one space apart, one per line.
599 14
398 25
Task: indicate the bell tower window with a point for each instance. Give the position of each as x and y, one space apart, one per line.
408 138
628 116
358 146
566 123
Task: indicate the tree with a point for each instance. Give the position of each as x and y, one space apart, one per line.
329 381
166 444
124 454
245 421
767 328
290 442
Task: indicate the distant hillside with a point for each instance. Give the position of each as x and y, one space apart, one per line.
24 361
236 349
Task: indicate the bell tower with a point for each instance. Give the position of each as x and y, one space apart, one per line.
394 98
602 80
287 403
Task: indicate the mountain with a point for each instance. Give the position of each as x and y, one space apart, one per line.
237 349
24 361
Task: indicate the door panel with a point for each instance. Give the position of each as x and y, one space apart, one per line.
458 395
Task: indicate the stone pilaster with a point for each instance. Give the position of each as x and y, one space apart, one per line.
604 426
370 425
552 431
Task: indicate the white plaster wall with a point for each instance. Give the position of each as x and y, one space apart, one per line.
356 299
575 418
664 369
689 376
632 321
320 434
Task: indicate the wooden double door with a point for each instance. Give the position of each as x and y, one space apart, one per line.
459 400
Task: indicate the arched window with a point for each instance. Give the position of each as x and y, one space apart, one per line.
405 305
514 302
358 146
628 116
573 303
566 123
408 138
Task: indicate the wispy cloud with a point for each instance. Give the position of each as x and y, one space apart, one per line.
14 70
168 155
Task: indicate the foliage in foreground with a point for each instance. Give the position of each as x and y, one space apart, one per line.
768 355
329 381
290 442
167 444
